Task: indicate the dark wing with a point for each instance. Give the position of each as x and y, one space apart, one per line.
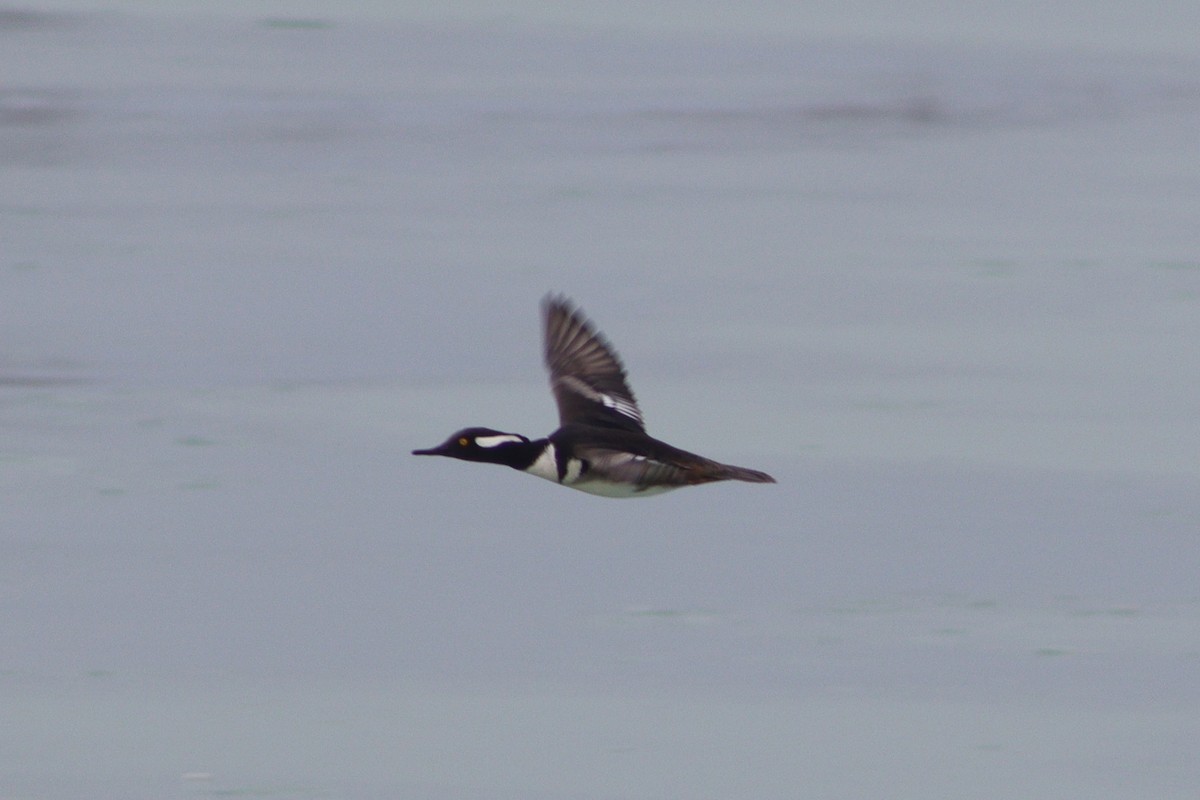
633 458
585 374
624 467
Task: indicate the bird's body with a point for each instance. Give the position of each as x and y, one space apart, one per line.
602 446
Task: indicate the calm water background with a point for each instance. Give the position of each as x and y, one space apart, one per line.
936 267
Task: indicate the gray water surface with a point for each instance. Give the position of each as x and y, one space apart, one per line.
944 286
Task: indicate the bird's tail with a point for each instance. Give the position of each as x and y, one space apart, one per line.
728 472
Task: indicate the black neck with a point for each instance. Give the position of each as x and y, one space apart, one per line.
518 455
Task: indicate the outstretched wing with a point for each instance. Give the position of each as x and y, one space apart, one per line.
585 373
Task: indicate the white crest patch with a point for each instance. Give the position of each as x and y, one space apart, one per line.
499 439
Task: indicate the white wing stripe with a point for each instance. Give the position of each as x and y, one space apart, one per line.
618 404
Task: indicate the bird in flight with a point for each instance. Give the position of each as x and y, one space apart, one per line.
601 446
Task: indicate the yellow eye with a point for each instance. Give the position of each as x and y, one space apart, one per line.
463 441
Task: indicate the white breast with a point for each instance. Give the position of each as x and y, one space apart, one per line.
619 490
546 465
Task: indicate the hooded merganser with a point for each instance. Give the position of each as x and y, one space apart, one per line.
602 446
